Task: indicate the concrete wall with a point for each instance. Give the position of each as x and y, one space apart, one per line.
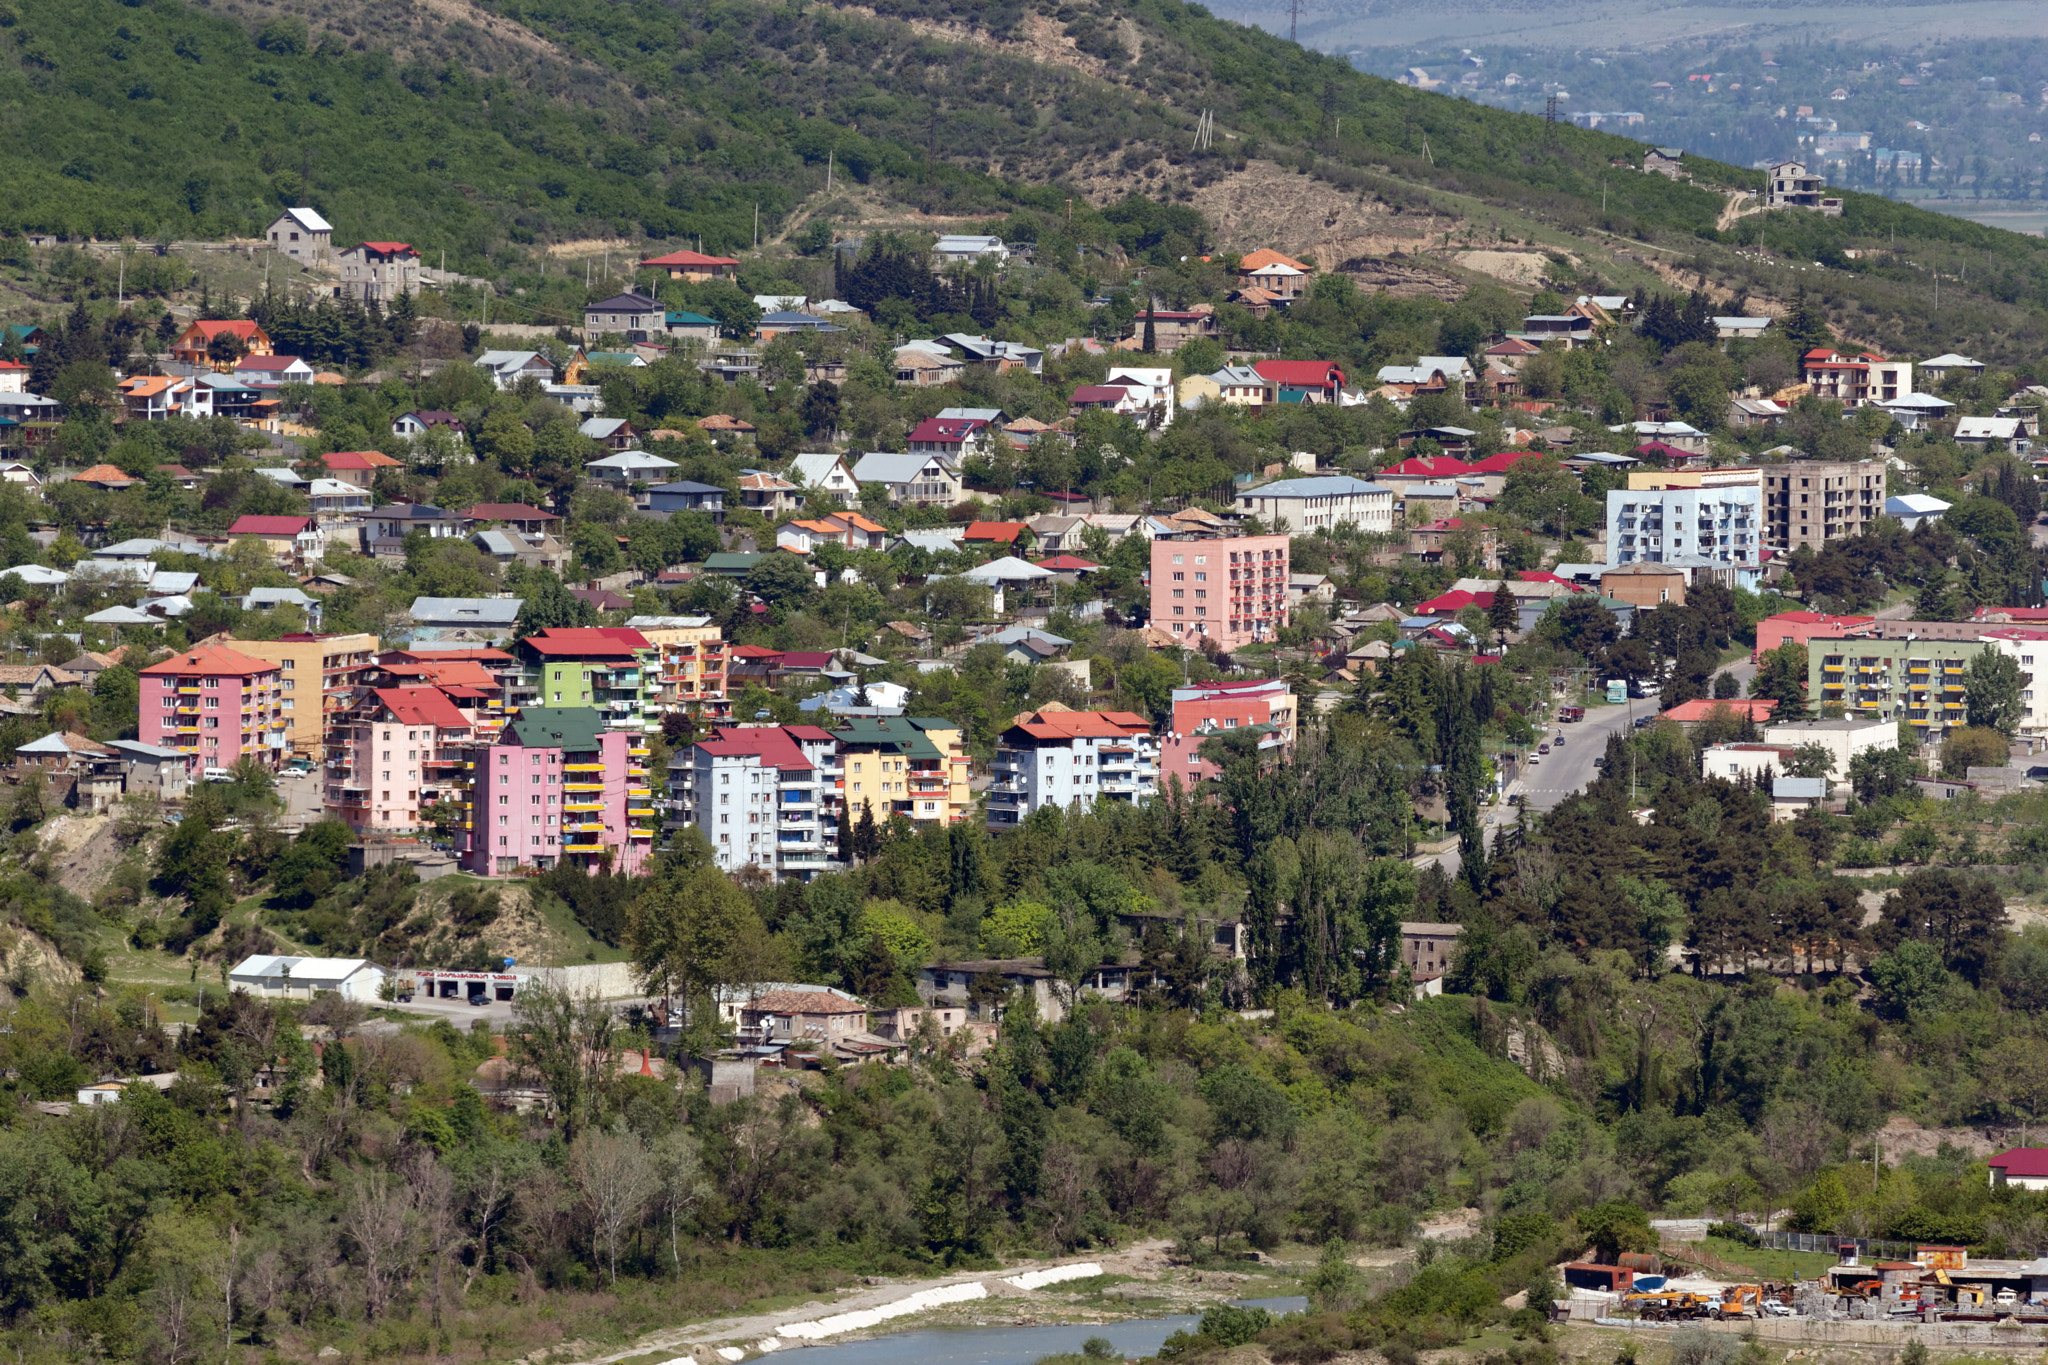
609 980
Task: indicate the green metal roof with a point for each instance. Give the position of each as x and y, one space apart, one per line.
880 732
556 727
731 563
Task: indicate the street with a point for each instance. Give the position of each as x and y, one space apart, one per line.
1568 767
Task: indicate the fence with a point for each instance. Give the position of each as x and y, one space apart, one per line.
1827 1243
1853 1332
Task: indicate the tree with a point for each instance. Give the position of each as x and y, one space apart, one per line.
1807 328
693 934
1961 916
1811 760
615 1180
1973 747
547 605
1659 919
1781 676
779 577
564 1039
1992 688
1616 1226
1877 774
1501 616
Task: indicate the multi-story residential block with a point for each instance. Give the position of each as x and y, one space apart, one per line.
396 752
558 787
312 669
602 667
1687 514
214 702
1857 379
912 766
1232 591
378 272
1203 710
2026 646
1303 505
1811 503
1919 681
764 796
1070 758
687 674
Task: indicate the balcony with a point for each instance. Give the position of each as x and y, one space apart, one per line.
583 767
583 805
583 786
583 848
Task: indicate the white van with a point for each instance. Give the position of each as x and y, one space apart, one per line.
217 775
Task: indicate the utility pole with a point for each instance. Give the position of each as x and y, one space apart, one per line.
1293 19
830 156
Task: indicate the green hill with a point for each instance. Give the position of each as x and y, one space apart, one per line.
485 129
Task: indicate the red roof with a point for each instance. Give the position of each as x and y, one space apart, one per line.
947 429
209 661
422 706
1501 463
807 658
588 640
1817 618
775 745
2027 1161
1664 450
685 258
2014 613
508 511
1756 708
1068 563
269 526
1430 467
1100 393
754 652
452 673
1312 373
428 656
359 459
1085 725
1453 601
1005 532
235 327
389 248
1544 576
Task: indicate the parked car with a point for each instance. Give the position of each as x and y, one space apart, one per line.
217 775
1543 748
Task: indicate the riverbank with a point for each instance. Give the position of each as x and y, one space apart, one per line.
1138 1281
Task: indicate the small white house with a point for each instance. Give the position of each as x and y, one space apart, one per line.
302 235
961 247
351 978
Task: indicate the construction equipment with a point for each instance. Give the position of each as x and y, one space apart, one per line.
1741 1301
1668 1305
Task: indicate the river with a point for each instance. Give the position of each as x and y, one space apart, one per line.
1016 1345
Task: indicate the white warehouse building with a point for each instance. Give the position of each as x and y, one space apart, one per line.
1300 506
1656 525
301 978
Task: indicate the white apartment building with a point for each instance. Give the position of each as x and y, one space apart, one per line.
2029 649
1304 505
1070 758
1653 525
764 796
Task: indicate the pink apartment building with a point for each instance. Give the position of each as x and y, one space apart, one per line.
217 704
558 787
1201 710
1231 591
394 753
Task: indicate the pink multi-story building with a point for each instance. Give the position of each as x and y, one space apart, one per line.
559 787
1204 710
396 752
1232 591
217 704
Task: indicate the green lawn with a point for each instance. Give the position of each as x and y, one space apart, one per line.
1766 1264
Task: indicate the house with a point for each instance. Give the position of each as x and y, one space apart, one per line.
105 477
516 515
288 539
1263 706
155 397
1306 505
1683 437
1071 758
379 273
768 493
849 529
1173 329
914 479
1645 585
484 619
1004 534
2013 435
1429 541
36 680
763 796
786 322
335 498
267 974
683 325
152 768
195 345
693 265
955 438
964 249
1000 356
272 370
1282 278
812 1016
420 422
683 495
301 234
1302 381
1125 400
1858 379
920 369
631 314
507 368
13 377
396 521
1914 509
1740 329
1514 352
535 550
1942 366
1665 161
1572 330
358 467
1756 412
613 433
1788 184
825 472
215 702
1233 386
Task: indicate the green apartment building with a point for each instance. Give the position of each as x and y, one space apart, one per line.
608 669
1920 681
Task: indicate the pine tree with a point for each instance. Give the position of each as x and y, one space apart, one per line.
1151 344
1808 328
1501 615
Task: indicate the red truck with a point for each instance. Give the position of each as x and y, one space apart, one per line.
1567 714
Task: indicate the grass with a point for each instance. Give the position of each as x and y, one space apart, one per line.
1764 1263
578 943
